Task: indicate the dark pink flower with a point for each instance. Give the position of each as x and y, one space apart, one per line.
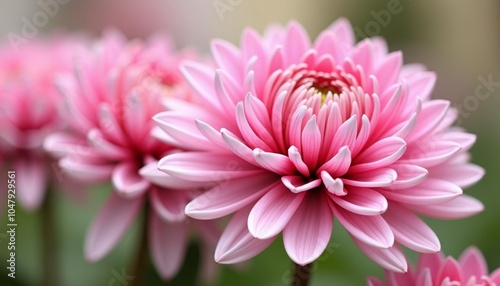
116 89
294 133
436 270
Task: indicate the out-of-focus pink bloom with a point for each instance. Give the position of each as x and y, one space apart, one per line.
116 89
294 133
29 111
436 270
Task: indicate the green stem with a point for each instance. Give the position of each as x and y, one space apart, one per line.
50 253
141 264
301 274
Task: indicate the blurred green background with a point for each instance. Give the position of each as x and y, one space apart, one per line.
459 39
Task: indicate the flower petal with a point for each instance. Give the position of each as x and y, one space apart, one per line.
461 207
110 224
429 192
473 263
362 201
168 242
273 211
127 181
391 258
274 162
410 230
206 166
32 182
169 204
380 154
309 230
230 196
236 243
370 230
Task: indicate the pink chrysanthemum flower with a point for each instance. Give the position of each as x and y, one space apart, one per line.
436 270
116 89
29 104
294 133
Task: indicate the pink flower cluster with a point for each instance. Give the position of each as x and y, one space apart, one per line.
283 132
436 270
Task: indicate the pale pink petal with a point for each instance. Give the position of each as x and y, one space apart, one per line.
421 84
230 196
380 154
450 270
274 162
110 224
127 181
31 181
362 201
201 79
472 263
311 142
334 186
370 230
238 147
296 41
432 262
168 242
381 177
339 164
273 211
296 159
391 258
227 57
429 117
236 243
169 204
428 153
308 232
345 136
463 175
429 192
374 282
495 276
408 176
424 278
297 184
152 174
461 207
79 169
410 230
206 167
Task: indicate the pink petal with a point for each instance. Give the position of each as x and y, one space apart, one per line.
410 230
495 276
238 147
127 181
152 174
236 243
230 196
429 192
297 184
85 171
428 154
424 278
370 230
421 84
389 70
463 175
274 162
309 230
339 164
334 186
344 35
374 282
168 243
345 136
208 131
451 270
362 201
201 79
206 167
430 116
408 176
110 224
431 262
105 148
273 211
247 132
227 57
183 129
311 142
31 183
296 43
296 159
391 258
473 263
169 204
461 207
382 153
381 177
62 144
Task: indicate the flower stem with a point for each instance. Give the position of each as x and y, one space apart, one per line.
301 274
50 253
140 264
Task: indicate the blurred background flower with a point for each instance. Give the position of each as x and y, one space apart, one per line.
458 39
